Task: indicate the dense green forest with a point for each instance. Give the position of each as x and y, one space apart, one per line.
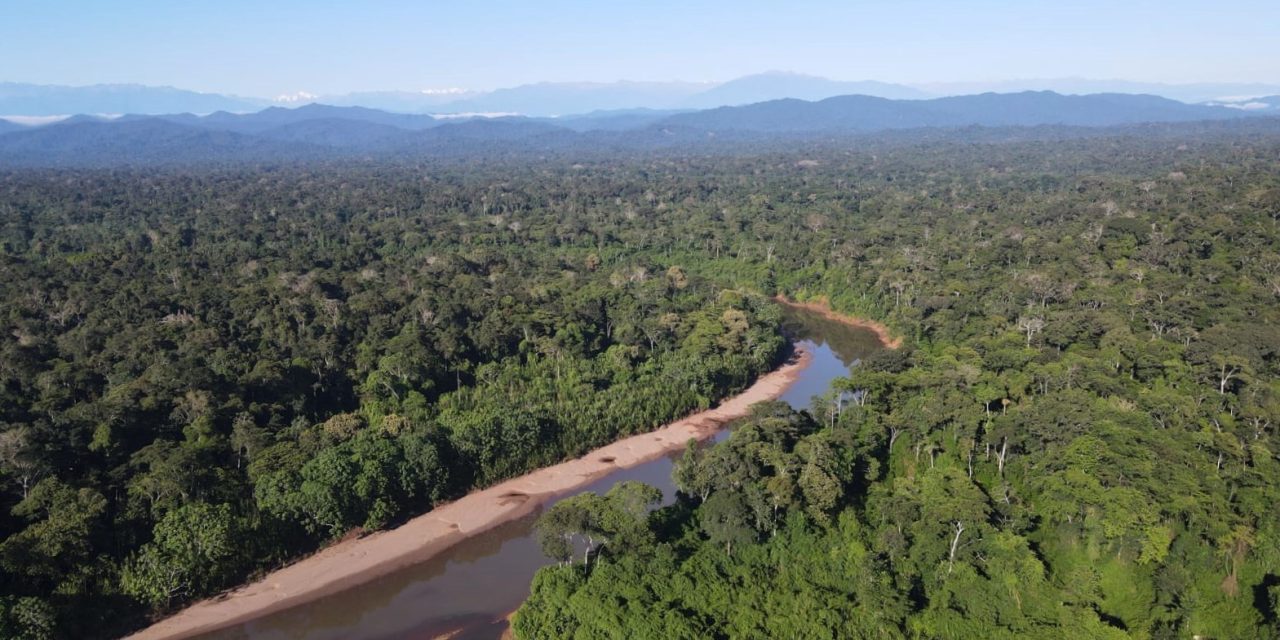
209 371
1079 440
208 374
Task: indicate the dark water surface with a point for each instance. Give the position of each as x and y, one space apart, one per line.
472 585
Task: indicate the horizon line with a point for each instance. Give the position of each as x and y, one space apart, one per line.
301 95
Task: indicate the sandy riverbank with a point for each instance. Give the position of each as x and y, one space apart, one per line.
352 562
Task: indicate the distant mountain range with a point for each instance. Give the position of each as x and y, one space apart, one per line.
324 131
544 99
1195 92
1031 108
550 99
18 99
777 85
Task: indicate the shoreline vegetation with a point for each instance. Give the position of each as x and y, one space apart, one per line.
354 561
351 562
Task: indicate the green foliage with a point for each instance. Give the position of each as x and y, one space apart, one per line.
193 551
1077 440
58 539
312 368
616 522
1077 443
726 520
27 618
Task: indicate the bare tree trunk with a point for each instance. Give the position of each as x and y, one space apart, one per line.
955 543
1226 376
1004 450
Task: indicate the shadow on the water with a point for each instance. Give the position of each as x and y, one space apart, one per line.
849 343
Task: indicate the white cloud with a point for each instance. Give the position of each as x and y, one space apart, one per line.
1236 98
459 116
1249 106
296 97
34 121
1242 103
39 121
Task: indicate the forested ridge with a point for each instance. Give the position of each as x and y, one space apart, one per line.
209 371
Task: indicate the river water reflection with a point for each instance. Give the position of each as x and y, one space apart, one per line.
467 589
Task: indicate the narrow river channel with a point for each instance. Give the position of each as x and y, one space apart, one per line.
467 590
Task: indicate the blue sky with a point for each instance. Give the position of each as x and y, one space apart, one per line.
270 47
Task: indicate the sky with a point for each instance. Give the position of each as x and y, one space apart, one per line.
266 48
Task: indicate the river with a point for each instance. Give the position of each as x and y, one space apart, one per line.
469 588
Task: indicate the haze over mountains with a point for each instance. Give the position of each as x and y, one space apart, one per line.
561 98
325 131
19 99
1198 92
1026 109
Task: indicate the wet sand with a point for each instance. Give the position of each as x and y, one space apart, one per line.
354 561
